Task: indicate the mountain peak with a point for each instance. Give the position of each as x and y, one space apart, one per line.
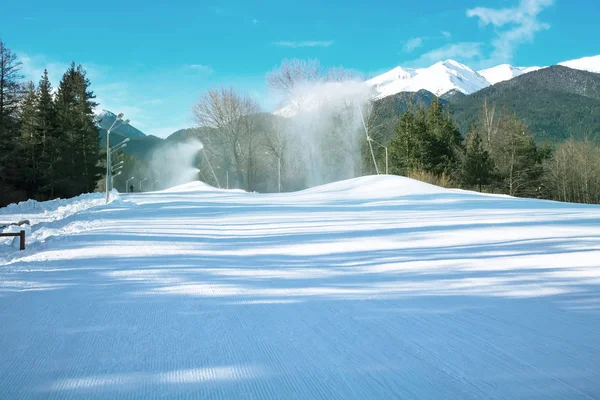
438 79
590 64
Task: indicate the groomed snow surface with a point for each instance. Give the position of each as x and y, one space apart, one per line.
372 288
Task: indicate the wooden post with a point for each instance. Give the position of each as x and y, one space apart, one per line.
22 236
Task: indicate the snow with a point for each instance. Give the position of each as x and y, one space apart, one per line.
440 78
590 64
505 72
371 288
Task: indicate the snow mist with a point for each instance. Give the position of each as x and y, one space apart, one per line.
325 131
174 164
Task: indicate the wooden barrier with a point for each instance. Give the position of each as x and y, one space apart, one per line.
20 234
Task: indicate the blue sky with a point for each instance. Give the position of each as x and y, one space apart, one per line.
152 61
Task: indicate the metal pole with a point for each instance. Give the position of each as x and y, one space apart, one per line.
145 179
279 173
227 174
367 135
127 184
107 164
386 161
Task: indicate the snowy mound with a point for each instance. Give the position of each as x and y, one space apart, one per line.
376 186
196 186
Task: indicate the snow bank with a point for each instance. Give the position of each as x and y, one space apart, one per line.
196 186
48 218
376 186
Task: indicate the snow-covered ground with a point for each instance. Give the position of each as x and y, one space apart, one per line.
372 288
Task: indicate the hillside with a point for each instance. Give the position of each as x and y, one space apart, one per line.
378 287
556 102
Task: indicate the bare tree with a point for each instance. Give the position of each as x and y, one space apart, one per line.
230 129
292 73
573 174
490 122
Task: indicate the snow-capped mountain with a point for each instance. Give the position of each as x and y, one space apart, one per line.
448 75
504 72
590 64
440 78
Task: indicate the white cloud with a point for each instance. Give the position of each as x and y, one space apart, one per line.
413 44
514 26
207 69
464 52
306 43
33 68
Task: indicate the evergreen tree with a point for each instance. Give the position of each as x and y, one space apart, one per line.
443 141
28 144
48 135
477 167
517 159
10 91
78 170
425 141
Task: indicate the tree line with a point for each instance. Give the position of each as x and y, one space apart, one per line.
49 141
498 153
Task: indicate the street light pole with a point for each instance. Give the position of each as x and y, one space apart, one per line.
127 184
142 181
108 154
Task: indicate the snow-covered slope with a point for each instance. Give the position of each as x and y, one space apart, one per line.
505 72
591 64
371 288
438 79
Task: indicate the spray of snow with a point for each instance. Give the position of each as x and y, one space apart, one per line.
325 130
174 164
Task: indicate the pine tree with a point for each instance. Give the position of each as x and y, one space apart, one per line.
425 140
48 134
477 167
78 168
28 142
10 92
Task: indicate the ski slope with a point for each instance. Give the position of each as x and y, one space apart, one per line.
372 288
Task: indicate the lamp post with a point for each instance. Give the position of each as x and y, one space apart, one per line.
142 181
112 178
127 184
108 154
370 139
154 183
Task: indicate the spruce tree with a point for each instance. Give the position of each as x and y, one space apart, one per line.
10 92
28 143
48 134
477 167
78 168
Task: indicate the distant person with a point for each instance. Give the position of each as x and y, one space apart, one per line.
130 188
